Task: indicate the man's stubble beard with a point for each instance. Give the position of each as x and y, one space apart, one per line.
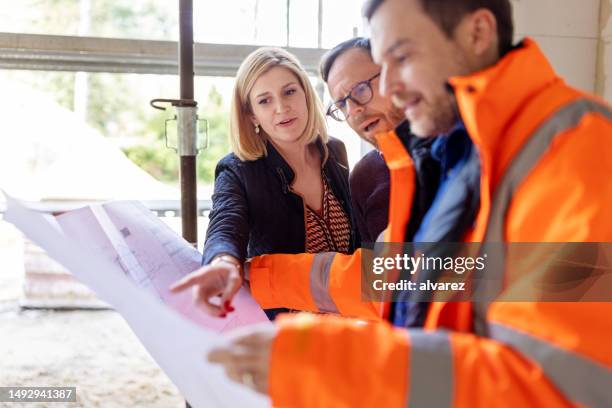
439 118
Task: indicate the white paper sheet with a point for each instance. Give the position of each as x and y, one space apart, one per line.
153 256
178 344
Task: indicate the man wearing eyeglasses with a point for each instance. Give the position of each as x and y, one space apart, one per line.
352 79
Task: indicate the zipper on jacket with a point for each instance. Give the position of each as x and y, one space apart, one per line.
281 173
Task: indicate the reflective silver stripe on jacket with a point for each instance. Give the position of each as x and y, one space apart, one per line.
531 153
431 370
521 166
319 282
582 380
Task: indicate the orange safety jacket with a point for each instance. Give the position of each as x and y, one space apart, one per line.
330 282
546 161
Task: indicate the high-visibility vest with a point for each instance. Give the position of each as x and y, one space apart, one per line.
546 161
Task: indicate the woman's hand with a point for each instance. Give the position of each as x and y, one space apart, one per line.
220 278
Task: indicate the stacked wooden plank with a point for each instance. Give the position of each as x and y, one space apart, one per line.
48 285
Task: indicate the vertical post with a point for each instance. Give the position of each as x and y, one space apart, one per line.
288 19
320 86
255 20
187 125
320 25
81 87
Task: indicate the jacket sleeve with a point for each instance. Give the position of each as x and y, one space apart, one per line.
344 362
228 228
323 282
358 202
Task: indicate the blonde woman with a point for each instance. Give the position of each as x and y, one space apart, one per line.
284 188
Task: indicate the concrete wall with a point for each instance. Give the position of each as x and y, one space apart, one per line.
603 79
569 33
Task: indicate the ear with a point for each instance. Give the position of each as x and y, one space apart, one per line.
254 120
478 33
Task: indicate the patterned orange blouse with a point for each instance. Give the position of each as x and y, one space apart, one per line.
330 229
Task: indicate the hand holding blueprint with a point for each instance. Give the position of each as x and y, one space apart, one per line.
129 258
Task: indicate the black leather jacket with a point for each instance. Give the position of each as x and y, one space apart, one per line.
255 213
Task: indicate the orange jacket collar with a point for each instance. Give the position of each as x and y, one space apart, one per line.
490 99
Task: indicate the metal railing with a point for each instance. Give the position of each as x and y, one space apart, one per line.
162 208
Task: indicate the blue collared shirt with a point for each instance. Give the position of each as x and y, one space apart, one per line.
453 210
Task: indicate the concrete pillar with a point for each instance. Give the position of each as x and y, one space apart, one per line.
603 84
568 33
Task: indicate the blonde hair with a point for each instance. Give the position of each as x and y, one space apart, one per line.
248 145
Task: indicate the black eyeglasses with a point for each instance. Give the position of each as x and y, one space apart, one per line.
361 94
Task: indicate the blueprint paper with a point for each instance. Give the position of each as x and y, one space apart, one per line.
177 343
153 256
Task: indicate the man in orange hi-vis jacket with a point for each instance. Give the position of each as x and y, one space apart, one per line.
545 163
